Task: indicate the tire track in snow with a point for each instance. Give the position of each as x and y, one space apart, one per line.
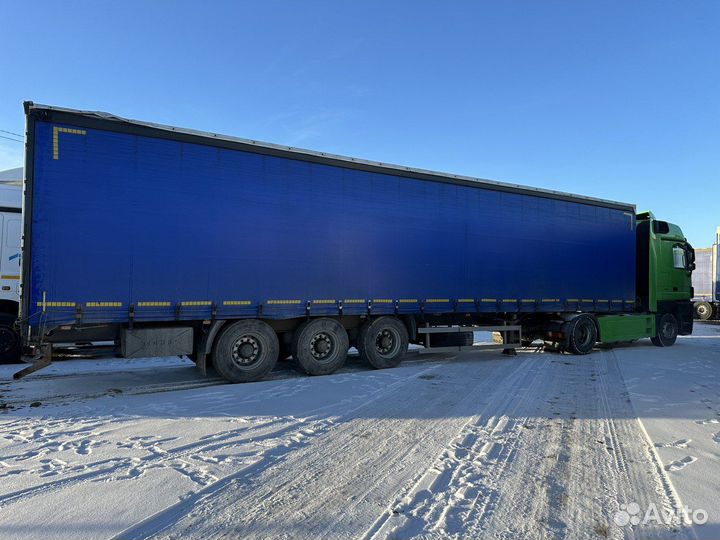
459 491
336 483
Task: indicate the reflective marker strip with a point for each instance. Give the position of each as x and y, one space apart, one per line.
550 299
56 304
528 300
437 300
408 301
354 301
103 304
509 300
236 303
56 139
196 303
10 277
466 300
324 301
283 302
153 304
382 301
488 300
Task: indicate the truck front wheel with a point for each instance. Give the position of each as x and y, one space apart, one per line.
580 335
383 342
703 310
667 331
245 351
320 346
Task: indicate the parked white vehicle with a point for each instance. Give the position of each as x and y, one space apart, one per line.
10 260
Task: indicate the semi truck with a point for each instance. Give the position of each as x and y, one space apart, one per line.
706 301
235 253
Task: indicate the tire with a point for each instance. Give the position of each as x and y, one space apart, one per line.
383 342
667 330
580 335
452 339
10 343
245 351
320 346
703 310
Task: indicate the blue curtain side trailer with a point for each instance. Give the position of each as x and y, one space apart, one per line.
173 241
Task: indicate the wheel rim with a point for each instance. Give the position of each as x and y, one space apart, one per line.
247 350
702 310
387 342
323 346
8 339
584 334
668 329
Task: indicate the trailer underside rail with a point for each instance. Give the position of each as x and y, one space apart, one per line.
511 334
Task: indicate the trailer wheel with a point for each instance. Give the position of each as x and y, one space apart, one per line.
703 310
580 335
10 348
383 342
320 346
245 351
667 331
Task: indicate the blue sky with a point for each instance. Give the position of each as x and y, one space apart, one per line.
619 100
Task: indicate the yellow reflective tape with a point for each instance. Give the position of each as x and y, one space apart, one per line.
56 139
488 300
10 277
586 300
437 300
324 301
196 303
528 300
153 304
572 300
103 304
603 301
408 300
354 301
466 300
630 301
55 304
236 303
283 302
509 300
550 299
382 301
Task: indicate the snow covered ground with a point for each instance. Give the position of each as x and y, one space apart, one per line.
539 445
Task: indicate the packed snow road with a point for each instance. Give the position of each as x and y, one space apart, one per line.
620 443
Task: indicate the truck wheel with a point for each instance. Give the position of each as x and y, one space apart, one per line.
320 346
703 310
667 331
383 342
10 348
452 339
245 351
580 335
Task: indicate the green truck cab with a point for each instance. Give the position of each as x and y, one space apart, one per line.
665 261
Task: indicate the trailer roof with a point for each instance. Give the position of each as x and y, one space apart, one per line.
111 122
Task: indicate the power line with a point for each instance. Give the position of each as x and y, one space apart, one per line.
10 139
11 132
